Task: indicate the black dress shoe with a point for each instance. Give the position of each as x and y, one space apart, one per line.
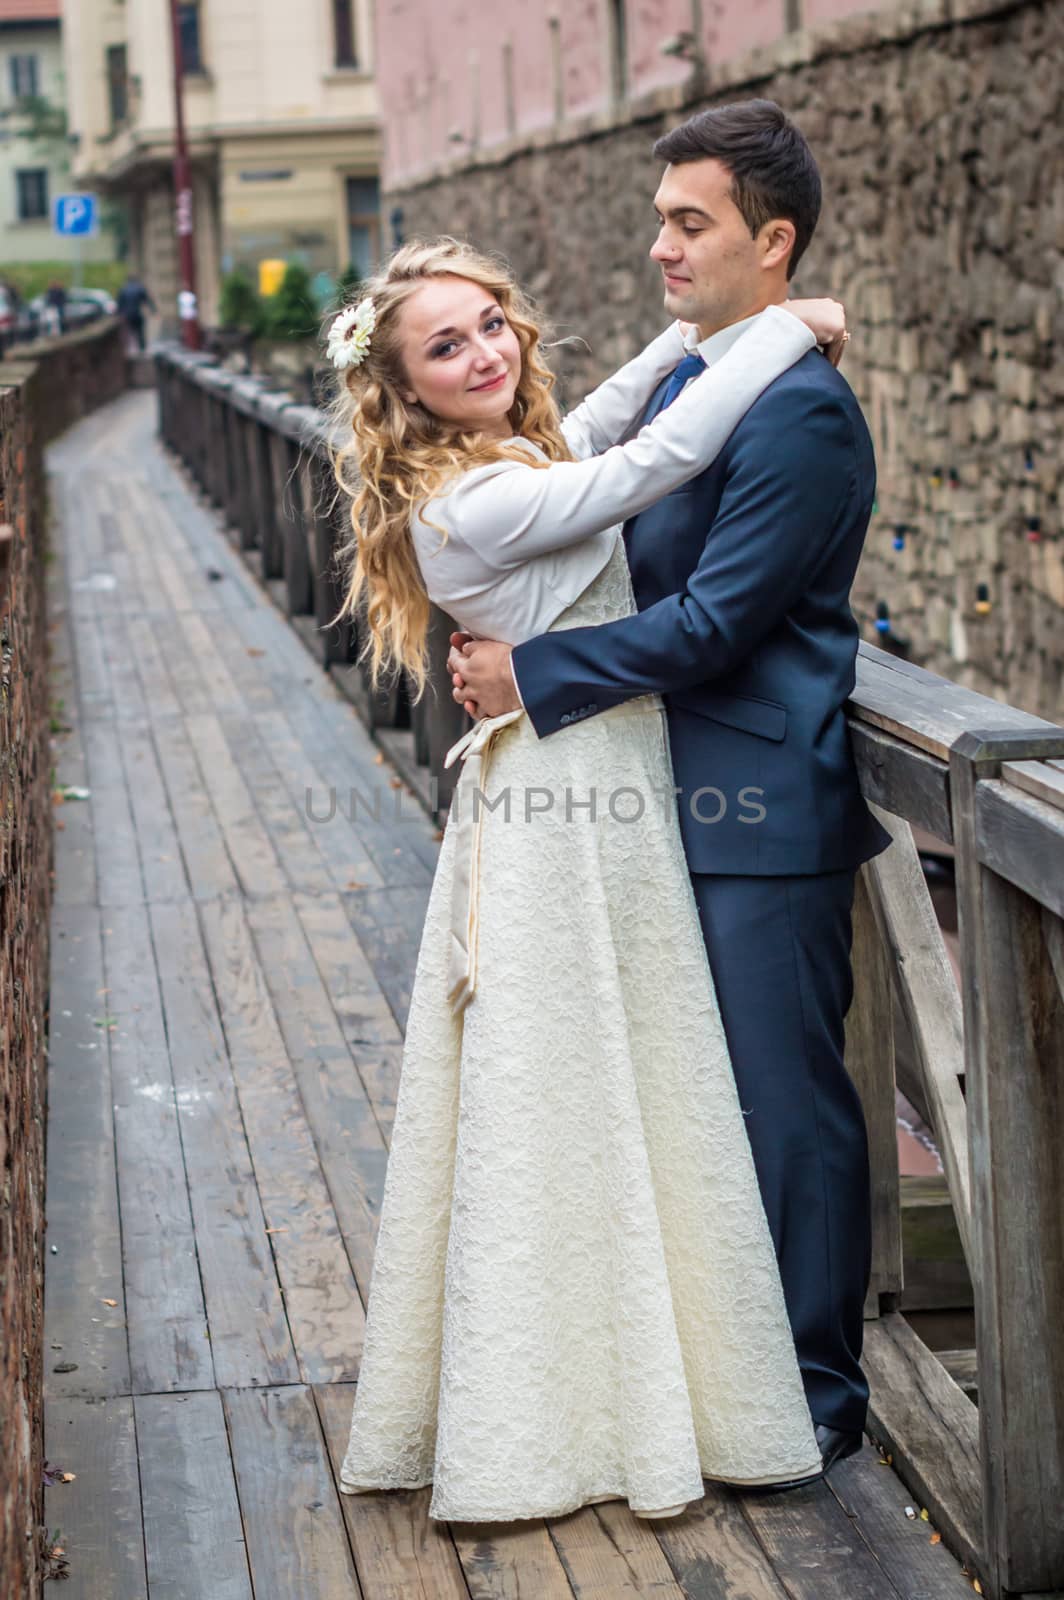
835 1445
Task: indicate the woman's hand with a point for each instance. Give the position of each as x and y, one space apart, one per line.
826 320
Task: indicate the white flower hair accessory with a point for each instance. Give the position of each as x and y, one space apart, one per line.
351 335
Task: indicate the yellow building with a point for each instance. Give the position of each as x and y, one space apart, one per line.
281 115
33 170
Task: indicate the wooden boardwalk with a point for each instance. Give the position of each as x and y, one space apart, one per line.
230 980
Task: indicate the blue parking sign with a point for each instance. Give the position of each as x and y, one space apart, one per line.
75 214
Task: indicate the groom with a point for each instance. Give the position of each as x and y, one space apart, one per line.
742 580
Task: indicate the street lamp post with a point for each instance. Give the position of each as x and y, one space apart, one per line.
186 299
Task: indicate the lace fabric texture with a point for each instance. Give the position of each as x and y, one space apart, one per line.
574 1292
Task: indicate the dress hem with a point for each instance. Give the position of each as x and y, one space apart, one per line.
578 1505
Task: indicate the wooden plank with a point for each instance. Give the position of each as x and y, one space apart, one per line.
400 1552
713 1552
816 1550
900 776
84 1235
99 1513
1043 779
250 1340
161 865
289 830
192 692
962 1368
296 1541
875 1498
1022 840
321 1299
350 1146
388 923
608 1553
193 1535
1014 1031
151 661
510 1561
126 691
208 868
246 840
117 857
870 1063
926 711
930 1428
927 992
167 1321
337 840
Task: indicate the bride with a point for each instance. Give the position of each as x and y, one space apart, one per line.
575 1295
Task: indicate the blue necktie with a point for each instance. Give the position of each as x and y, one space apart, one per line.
689 367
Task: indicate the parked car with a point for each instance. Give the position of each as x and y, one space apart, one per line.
82 305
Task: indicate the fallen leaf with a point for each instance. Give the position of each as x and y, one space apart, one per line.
378 759
924 1516
936 1538
395 783
354 884
108 1302
276 1230
977 1586
254 651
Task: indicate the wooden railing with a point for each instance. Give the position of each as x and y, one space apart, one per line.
984 778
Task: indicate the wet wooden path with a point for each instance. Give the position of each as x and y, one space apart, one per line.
230 978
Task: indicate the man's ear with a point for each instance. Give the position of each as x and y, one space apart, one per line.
776 240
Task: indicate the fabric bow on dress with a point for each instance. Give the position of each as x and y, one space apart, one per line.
467 820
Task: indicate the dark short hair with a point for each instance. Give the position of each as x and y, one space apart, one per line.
772 167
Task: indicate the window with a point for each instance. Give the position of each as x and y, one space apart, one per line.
363 224
23 77
188 27
32 193
117 84
344 33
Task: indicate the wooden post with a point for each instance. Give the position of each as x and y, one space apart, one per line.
1014 1080
870 1062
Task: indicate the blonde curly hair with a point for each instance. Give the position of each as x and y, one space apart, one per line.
398 455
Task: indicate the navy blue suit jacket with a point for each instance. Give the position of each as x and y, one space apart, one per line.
742 580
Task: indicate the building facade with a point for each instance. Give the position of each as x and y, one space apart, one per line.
34 149
937 126
282 123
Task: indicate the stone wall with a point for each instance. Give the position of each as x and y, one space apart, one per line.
937 128
38 397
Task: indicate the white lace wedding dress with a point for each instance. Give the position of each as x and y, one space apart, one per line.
575 1294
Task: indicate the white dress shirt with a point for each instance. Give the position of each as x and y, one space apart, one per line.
522 542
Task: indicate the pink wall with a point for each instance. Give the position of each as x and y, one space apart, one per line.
442 64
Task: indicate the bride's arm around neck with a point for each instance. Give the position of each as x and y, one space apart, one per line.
502 515
611 411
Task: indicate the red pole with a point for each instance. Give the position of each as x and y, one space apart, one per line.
186 300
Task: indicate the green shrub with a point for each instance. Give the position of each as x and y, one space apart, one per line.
292 313
241 307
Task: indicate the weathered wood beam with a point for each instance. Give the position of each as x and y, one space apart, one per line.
1014 1078
930 1428
928 995
870 1062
